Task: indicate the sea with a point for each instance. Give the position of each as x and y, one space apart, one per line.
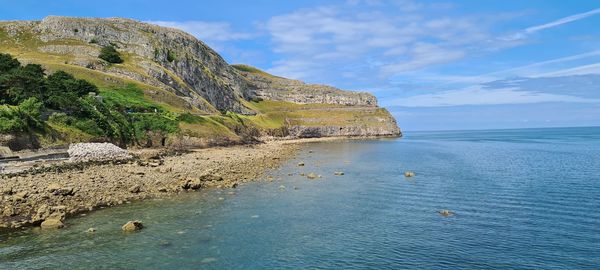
519 198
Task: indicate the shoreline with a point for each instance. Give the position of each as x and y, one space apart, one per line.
29 199
66 189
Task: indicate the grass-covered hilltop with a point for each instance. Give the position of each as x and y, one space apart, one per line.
65 80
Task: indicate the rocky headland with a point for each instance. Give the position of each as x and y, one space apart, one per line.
174 95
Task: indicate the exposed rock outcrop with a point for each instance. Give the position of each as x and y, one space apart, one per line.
267 86
344 131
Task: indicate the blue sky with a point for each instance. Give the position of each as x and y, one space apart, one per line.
434 64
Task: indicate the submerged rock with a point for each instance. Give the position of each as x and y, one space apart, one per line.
209 260
132 226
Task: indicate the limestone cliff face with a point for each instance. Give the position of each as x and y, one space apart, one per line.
349 114
159 56
266 86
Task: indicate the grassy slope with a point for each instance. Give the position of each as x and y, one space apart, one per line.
272 115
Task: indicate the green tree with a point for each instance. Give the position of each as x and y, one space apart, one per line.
7 62
21 83
110 54
63 91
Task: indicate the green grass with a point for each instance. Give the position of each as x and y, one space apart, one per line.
250 69
130 96
207 127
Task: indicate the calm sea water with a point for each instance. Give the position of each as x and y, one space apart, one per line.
524 199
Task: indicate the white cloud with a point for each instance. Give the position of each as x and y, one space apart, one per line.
530 30
206 31
562 66
397 36
479 96
579 70
423 55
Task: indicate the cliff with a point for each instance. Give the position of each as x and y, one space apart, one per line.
181 74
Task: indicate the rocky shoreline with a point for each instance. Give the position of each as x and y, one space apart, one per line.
61 190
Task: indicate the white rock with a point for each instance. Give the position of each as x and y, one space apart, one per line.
96 151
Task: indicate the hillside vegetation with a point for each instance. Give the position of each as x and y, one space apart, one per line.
66 80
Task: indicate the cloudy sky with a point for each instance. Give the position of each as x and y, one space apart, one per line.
463 64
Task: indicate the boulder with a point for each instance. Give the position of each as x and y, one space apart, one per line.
312 176
301 164
54 221
131 226
232 185
6 191
338 173
135 189
57 189
409 174
20 196
91 230
191 184
211 177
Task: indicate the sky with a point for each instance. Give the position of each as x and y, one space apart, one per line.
435 65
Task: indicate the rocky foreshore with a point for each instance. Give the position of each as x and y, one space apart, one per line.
61 190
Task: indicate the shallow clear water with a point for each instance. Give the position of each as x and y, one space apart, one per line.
524 199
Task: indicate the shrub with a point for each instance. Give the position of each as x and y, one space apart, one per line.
110 54
171 56
24 117
7 62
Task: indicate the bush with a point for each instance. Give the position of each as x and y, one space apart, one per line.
110 54
171 56
21 118
7 62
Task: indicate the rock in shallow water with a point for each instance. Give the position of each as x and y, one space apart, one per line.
446 213
312 176
132 226
409 174
52 223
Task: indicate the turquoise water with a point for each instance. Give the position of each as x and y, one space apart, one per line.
524 199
